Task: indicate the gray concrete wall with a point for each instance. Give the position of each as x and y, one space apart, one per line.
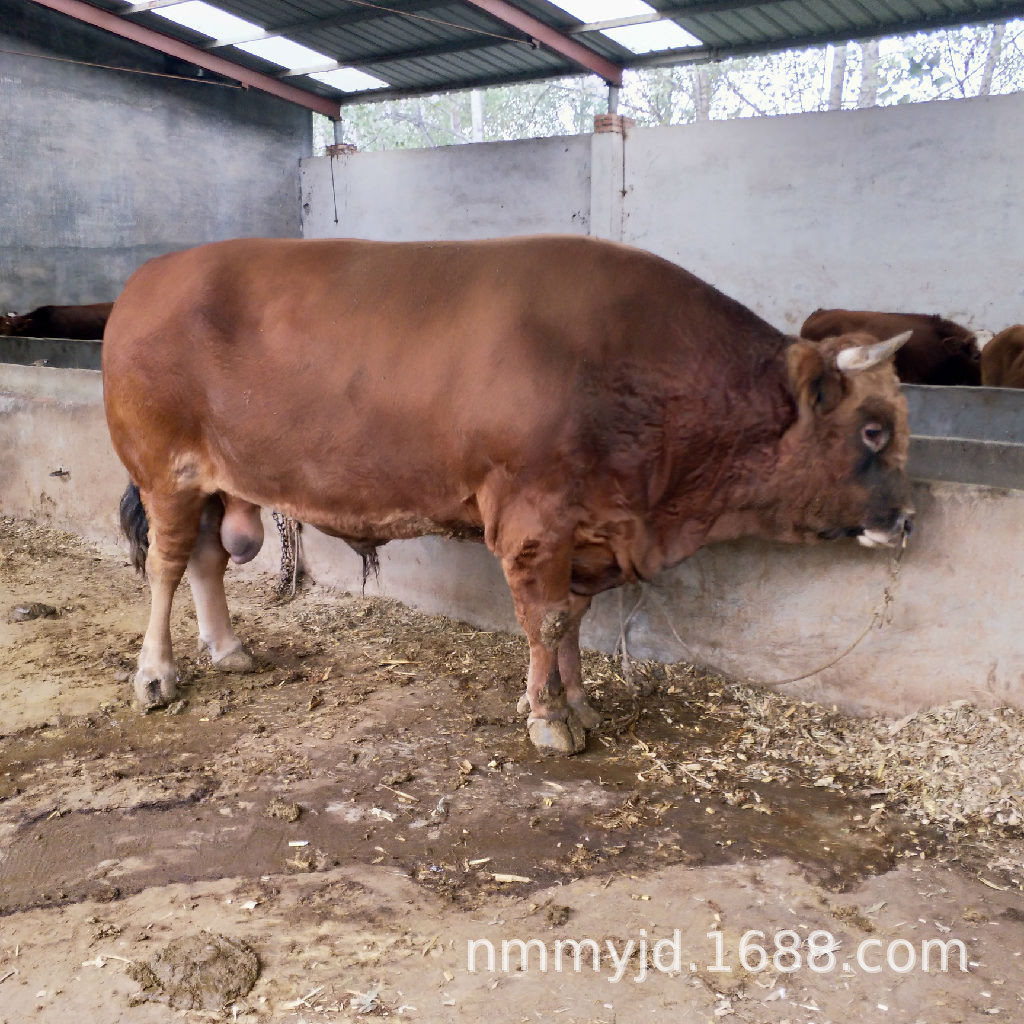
479 191
100 169
762 611
914 207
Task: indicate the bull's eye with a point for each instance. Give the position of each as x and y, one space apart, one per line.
875 436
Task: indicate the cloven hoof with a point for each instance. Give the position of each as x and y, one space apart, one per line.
153 692
238 660
587 715
553 737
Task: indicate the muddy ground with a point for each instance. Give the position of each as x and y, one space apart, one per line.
341 824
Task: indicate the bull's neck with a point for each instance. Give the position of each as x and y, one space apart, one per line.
729 489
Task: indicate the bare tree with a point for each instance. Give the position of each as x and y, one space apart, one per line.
837 78
476 107
869 74
701 82
995 51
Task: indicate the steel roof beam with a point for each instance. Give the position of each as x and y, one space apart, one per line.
109 22
327 21
463 85
552 38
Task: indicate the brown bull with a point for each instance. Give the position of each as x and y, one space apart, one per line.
938 351
591 412
1002 359
82 323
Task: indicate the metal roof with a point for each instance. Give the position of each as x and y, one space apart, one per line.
424 46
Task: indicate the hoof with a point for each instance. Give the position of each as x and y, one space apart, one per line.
587 716
238 660
553 737
154 691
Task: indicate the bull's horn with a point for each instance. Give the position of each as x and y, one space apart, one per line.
863 357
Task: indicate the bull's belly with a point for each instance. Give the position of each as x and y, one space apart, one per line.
371 533
601 557
372 526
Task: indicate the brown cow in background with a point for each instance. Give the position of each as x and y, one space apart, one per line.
939 351
1002 359
81 323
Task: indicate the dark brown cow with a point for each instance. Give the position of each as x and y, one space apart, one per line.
83 323
591 412
938 351
1002 359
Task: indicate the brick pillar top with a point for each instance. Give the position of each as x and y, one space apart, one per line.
618 124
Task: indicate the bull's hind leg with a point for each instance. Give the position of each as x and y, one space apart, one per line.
206 567
570 668
173 529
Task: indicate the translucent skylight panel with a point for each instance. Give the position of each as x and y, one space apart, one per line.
284 52
603 10
655 35
659 35
202 17
349 80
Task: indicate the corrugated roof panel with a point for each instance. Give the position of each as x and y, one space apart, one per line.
830 17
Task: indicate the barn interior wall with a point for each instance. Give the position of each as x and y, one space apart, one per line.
101 170
479 191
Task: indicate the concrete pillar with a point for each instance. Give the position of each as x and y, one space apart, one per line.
608 186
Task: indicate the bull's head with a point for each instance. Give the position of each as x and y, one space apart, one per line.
842 466
14 325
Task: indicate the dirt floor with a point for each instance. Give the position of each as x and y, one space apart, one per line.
323 840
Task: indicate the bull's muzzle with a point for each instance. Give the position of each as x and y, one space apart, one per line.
897 533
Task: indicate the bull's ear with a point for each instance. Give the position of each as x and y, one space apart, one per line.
813 379
863 357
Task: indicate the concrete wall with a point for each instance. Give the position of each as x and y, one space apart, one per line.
762 611
100 169
914 207
911 207
480 191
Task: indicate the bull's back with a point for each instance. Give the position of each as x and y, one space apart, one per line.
319 345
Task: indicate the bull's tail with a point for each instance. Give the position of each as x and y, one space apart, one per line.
135 526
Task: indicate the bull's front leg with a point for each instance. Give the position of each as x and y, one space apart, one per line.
538 573
570 668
